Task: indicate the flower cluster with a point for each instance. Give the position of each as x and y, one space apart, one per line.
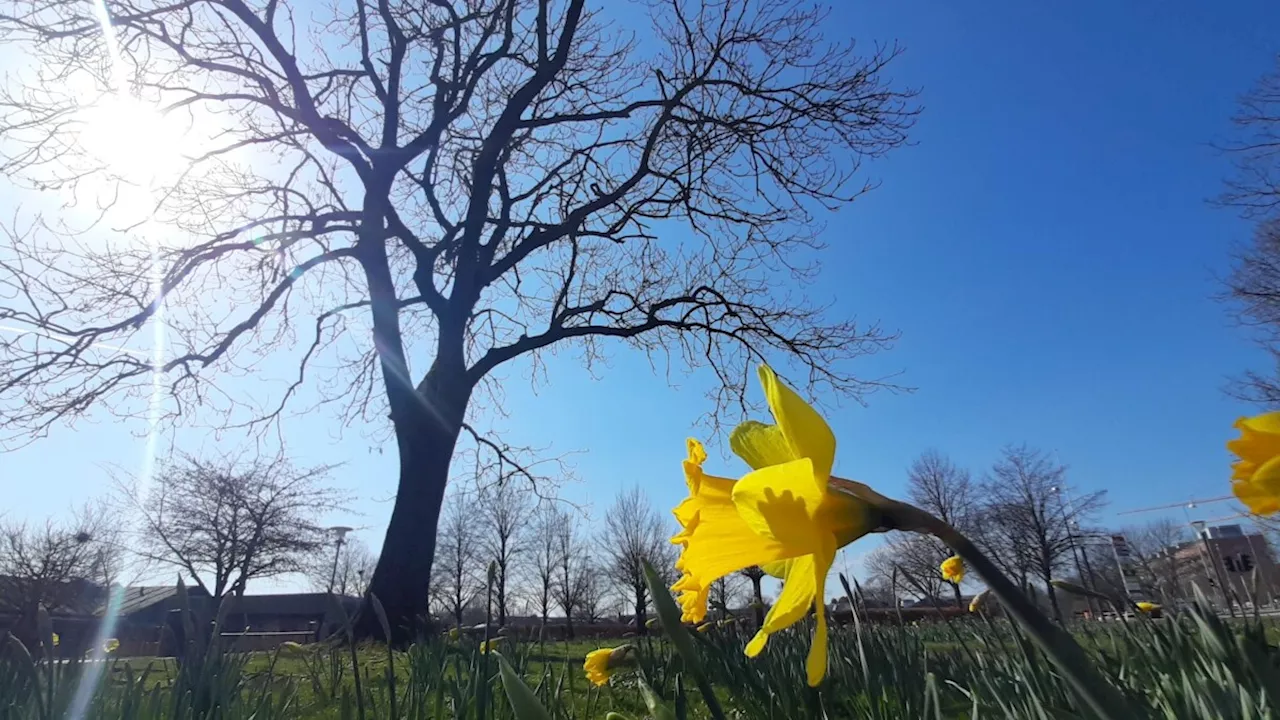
782 516
1255 477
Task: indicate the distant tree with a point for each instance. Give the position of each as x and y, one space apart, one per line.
574 569
938 486
60 566
1027 516
597 601
224 522
882 569
1253 286
460 183
504 510
755 575
635 533
544 563
917 560
459 564
726 593
354 569
1154 549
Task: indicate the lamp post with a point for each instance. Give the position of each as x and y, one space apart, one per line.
339 535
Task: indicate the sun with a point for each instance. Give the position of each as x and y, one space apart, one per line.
133 140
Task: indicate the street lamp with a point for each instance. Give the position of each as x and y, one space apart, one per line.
339 535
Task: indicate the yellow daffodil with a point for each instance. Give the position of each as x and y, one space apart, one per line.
1147 607
651 623
1255 477
112 644
488 645
454 633
56 639
979 601
953 569
781 516
601 664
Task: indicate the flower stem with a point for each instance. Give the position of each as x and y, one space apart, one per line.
1100 695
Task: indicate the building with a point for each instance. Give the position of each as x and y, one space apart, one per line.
1227 556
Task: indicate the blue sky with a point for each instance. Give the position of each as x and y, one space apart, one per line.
1045 250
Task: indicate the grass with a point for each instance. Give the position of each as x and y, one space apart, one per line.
1192 666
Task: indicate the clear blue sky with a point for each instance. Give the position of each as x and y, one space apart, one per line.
1045 249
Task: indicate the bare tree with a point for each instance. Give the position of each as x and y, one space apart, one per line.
60 566
635 533
936 485
597 600
1154 552
354 569
1027 514
917 560
544 557
503 509
459 567
574 571
755 575
462 182
726 592
1253 287
224 522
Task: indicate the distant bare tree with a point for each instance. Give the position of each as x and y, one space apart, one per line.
883 569
917 560
597 601
635 533
544 562
503 510
354 569
575 569
727 592
463 182
938 486
1153 548
1253 287
755 575
459 567
1027 516
60 566
224 522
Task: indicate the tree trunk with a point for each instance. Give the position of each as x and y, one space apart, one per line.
640 628
757 600
1053 600
502 597
430 420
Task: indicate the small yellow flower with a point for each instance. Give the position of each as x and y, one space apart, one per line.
56 639
601 664
488 645
781 516
1147 607
953 569
979 601
454 633
651 623
112 644
1255 477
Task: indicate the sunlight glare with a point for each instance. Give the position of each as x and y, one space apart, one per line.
134 140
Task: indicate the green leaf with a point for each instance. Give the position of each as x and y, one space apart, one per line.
524 703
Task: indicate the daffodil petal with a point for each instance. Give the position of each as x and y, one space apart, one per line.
776 569
1264 423
797 596
816 663
1258 502
1267 477
760 445
781 502
807 434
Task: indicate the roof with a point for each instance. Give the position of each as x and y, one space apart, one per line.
141 597
290 604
